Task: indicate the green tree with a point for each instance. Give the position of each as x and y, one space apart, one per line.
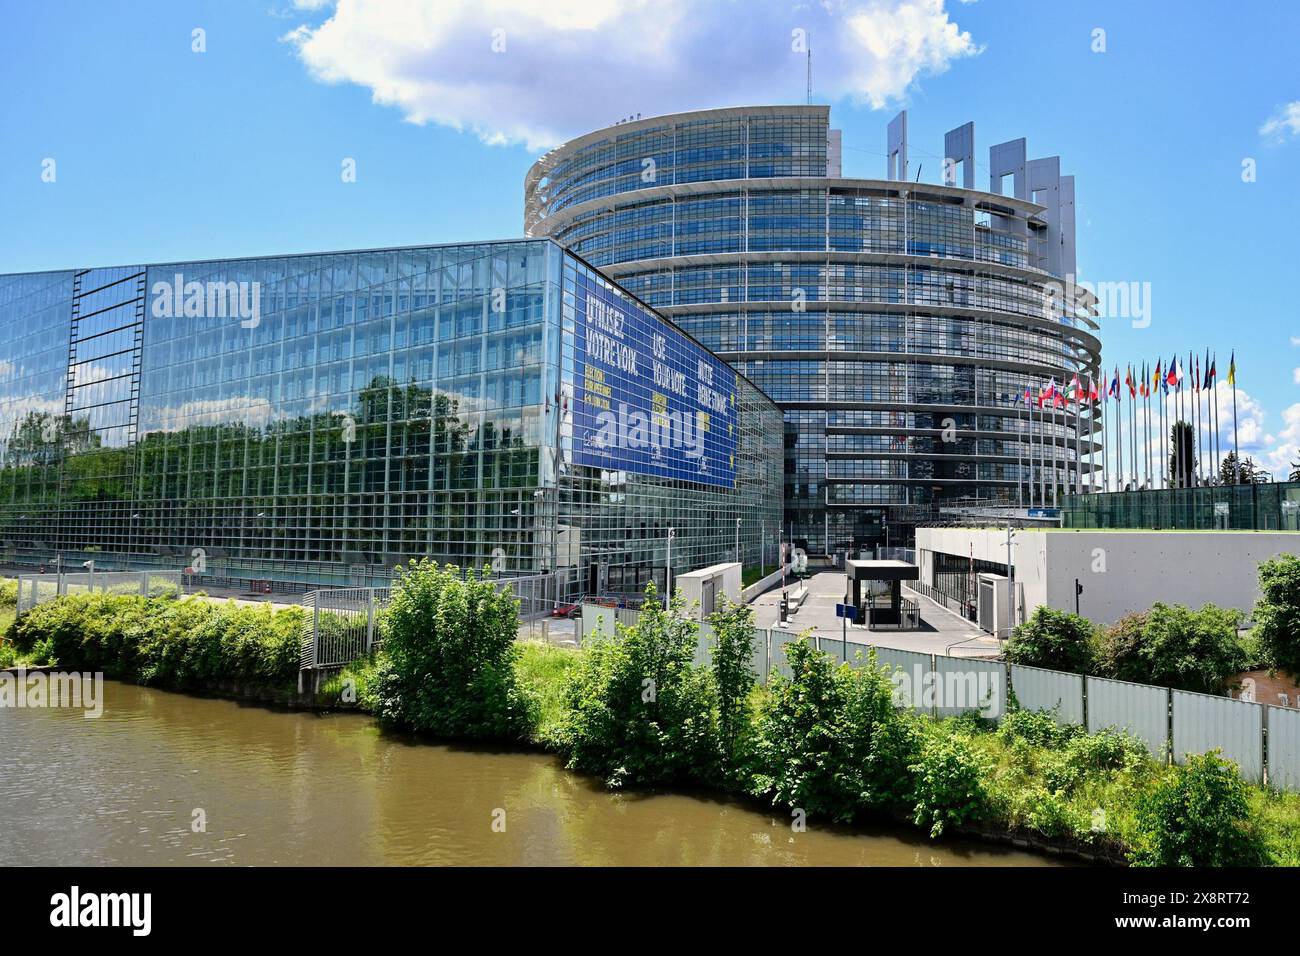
1053 639
641 713
1277 613
733 676
449 654
1197 815
1182 465
1174 646
830 741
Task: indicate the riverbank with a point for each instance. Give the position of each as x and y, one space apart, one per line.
827 746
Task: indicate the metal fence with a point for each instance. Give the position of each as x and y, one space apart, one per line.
34 589
342 625
1264 741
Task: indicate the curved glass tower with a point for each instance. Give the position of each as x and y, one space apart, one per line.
897 324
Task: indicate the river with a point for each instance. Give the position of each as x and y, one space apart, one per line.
272 787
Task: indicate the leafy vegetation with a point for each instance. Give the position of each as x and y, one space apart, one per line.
1198 814
1277 614
449 655
185 644
1053 639
1174 646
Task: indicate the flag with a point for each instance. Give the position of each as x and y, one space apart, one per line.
1211 373
1144 387
1232 368
1113 389
1128 380
1076 388
1171 373
1094 394
1178 375
1196 375
1155 377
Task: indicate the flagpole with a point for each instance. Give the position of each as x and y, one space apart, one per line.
1236 448
1020 462
1181 477
1133 435
1146 424
1042 454
1196 418
1218 447
1119 435
1078 436
1164 447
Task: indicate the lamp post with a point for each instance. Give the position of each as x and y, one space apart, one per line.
738 545
1011 586
668 570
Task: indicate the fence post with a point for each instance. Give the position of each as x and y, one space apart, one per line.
315 627
370 620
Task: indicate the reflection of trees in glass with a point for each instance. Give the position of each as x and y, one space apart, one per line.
386 443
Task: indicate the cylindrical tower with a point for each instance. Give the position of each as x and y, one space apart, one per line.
897 324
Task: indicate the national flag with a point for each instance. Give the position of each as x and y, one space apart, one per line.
1076 388
1232 368
1171 373
1178 375
1144 387
1212 372
1113 389
1128 380
1196 375
1094 394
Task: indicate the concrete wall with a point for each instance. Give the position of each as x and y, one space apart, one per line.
1122 571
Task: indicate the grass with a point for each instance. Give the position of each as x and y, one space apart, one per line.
544 669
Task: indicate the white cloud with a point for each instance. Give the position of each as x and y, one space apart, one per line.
1295 374
569 66
1285 122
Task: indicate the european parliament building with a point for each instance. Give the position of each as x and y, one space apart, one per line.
894 322
321 418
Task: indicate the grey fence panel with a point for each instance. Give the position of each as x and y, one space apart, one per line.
834 647
1203 722
1283 747
963 684
627 616
597 622
1139 709
779 640
34 589
1039 689
759 658
909 685
704 640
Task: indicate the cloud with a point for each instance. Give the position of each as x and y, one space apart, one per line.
1295 374
1284 123
523 71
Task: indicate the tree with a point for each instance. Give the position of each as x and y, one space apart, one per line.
1174 646
1197 815
1182 455
1295 470
1053 639
1250 472
1277 614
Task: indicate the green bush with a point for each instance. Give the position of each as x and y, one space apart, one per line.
1053 639
640 712
830 741
949 784
1173 646
8 654
449 654
184 644
1277 614
734 678
8 592
1196 815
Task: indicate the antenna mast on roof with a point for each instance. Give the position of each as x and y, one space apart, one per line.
810 69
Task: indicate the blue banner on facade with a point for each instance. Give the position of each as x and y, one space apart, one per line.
648 399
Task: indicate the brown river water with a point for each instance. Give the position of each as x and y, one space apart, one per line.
301 788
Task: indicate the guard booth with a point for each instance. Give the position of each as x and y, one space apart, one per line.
892 611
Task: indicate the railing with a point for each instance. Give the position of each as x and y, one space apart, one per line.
881 615
34 589
942 598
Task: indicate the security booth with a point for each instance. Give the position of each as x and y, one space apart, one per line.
890 609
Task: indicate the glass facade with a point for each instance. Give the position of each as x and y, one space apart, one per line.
320 418
1265 507
897 324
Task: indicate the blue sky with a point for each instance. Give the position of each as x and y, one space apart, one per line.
162 153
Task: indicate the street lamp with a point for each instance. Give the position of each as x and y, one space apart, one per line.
668 571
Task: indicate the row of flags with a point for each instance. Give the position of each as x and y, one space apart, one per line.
1164 376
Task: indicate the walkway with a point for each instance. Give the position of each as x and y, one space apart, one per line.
943 632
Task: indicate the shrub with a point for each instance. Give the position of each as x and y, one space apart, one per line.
8 592
1196 815
8 654
640 713
183 643
949 782
1277 614
1036 727
1085 755
829 739
1174 646
1053 639
733 677
449 654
